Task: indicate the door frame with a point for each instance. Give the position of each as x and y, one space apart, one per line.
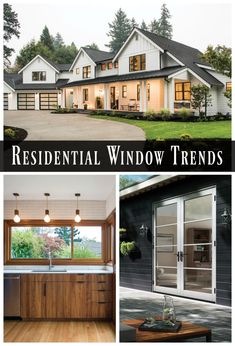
180 291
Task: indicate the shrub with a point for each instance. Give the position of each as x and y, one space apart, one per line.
185 137
127 247
151 115
10 133
184 112
165 113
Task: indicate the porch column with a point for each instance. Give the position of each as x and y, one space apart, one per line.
37 106
145 103
106 97
63 96
59 98
141 97
79 97
172 95
165 94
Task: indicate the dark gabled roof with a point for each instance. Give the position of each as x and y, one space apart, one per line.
98 55
15 81
189 56
63 67
165 72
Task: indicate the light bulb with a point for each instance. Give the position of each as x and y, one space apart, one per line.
77 218
16 218
47 218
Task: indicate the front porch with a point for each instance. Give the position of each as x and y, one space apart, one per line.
130 96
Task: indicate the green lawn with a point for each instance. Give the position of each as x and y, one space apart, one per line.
172 129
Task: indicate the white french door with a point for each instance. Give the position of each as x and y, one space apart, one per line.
184 245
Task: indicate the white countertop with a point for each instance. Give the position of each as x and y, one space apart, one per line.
58 270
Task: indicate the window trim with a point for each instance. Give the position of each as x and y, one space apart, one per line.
183 91
39 73
103 67
124 91
77 70
86 72
142 62
228 88
148 87
57 261
138 92
85 95
110 65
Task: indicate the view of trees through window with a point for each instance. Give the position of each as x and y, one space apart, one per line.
35 242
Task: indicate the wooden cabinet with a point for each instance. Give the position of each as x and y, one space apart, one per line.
66 296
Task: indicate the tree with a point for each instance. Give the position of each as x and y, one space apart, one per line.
46 39
165 27
228 95
58 41
134 24
125 181
65 234
154 26
11 27
120 28
143 25
93 45
65 54
201 98
220 57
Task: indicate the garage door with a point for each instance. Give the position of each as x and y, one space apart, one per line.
48 101
5 101
26 101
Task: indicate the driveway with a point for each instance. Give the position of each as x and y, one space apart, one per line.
42 125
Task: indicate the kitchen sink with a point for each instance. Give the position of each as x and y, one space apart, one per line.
49 271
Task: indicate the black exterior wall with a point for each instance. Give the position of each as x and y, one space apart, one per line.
136 272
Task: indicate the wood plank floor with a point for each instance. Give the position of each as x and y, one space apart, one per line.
60 331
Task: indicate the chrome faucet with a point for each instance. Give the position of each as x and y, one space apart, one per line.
50 259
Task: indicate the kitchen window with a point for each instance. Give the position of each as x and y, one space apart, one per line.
137 63
183 91
124 91
85 95
86 72
39 76
30 242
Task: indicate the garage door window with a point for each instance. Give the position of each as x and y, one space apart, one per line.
26 101
48 101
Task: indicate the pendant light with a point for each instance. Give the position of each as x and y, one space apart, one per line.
47 216
77 216
16 211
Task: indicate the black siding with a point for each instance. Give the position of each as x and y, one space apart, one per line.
137 272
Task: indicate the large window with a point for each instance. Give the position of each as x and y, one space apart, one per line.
182 91
138 92
137 63
124 91
148 91
228 86
85 95
39 76
86 71
32 241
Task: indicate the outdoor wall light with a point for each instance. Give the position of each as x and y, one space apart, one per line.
226 217
16 211
47 216
143 230
77 216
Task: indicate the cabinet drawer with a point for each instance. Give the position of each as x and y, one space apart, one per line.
102 278
102 310
101 295
79 277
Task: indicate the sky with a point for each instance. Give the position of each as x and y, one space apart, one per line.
195 23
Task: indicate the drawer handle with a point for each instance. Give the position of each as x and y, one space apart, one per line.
102 302
101 282
80 282
101 290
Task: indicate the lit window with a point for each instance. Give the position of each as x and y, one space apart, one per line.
39 76
228 86
116 64
183 91
77 70
137 63
148 91
86 72
110 66
85 95
138 92
103 67
124 91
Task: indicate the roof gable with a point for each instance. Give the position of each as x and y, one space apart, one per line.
47 61
77 56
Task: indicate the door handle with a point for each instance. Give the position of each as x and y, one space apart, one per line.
178 256
181 256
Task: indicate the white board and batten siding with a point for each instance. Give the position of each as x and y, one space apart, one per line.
82 61
222 101
136 47
36 66
106 72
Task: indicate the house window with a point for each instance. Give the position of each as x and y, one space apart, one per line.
148 91
228 86
77 70
138 92
110 66
85 95
116 64
137 63
32 240
103 67
182 91
86 72
124 91
39 75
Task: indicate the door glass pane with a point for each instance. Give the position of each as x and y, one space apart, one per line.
198 280
166 277
198 208
167 214
166 235
198 256
166 256
198 232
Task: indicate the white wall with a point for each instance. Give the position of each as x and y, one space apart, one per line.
140 46
222 101
111 202
39 65
65 75
99 73
60 210
83 60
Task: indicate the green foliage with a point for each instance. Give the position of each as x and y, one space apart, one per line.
185 137
9 133
122 230
228 95
46 39
165 114
127 247
134 24
201 98
125 181
11 27
143 26
119 30
79 251
184 112
165 28
58 41
220 57
64 233
27 245
93 45
154 26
